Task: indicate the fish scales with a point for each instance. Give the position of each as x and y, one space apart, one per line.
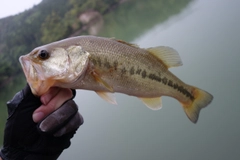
138 73
107 65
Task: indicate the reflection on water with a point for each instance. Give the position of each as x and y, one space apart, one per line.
208 42
125 22
134 17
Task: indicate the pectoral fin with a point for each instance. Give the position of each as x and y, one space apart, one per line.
98 78
107 96
153 103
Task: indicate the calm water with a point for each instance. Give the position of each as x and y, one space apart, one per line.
207 36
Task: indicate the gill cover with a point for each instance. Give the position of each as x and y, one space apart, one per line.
63 65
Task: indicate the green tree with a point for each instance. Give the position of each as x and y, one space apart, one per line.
53 28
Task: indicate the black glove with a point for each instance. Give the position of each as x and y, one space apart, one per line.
26 140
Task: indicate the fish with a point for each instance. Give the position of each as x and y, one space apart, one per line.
108 65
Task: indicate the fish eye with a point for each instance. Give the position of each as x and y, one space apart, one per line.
43 54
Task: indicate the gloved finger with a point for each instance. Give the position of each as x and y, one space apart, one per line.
60 118
44 110
71 126
25 97
52 92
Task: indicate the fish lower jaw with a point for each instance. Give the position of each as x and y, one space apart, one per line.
40 87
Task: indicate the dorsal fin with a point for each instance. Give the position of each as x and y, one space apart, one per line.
167 55
126 43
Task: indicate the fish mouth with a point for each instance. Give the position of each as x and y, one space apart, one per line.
38 84
25 63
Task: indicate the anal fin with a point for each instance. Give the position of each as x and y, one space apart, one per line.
107 96
152 103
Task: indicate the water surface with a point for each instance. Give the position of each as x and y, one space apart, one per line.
206 35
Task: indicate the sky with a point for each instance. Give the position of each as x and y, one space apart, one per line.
11 7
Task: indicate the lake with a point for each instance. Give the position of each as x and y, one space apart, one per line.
207 36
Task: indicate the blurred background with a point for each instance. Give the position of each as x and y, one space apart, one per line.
206 35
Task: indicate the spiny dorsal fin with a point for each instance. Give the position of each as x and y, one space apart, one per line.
107 96
167 55
127 43
152 103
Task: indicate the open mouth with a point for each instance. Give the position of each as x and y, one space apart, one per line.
26 65
36 80
29 72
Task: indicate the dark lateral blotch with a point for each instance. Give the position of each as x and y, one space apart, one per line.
154 77
107 64
132 71
175 86
138 71
165 80
144 74
170 83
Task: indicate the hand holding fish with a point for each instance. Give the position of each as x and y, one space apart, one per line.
58 112
107 65
51 101
25 139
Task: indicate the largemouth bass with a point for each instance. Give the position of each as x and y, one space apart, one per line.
107 65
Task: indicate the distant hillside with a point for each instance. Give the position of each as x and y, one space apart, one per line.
52 20
49 21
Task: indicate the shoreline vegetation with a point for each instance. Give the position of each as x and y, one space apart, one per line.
44 23
50 21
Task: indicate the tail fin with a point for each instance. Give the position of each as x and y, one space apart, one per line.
202 99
